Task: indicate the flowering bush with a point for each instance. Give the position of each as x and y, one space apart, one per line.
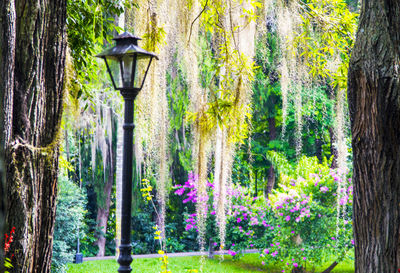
247 221
312 212
306 220
189 192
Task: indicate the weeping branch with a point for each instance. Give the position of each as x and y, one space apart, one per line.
195 19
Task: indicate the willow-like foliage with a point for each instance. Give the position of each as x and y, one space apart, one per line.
183 25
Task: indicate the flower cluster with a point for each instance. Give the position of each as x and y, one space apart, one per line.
164 262
189 191
146 190
292 206
7 244
8 240
190 185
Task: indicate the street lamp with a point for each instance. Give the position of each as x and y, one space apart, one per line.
127 65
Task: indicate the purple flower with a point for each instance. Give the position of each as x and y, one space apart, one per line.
324 189
287 218
295 265
238 220
188 227
343 200
180 191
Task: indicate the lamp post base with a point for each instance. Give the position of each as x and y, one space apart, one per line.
125 259
78 258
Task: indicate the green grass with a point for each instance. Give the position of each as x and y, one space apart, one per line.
248 264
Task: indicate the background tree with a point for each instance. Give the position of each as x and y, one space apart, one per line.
374 102
2 170
32 54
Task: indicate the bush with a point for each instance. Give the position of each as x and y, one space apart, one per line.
69 219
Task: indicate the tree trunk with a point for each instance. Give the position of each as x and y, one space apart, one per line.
5 69
271 180
103 208
334 151
331 267
298 269
32 55
374 101
103 212
318 147
255 183
271 171
2 205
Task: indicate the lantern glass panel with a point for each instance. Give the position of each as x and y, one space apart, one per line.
143 62
114 67
126 67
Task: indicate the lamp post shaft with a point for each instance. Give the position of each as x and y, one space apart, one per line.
125 248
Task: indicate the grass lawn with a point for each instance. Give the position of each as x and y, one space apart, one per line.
247 264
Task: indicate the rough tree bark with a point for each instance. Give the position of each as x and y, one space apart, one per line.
32 54
374 101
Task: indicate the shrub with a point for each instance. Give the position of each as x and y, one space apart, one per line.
69 219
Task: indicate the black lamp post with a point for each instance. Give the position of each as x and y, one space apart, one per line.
127 65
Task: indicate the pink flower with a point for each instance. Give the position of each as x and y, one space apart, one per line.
180 191
324 189
295 265
188 227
